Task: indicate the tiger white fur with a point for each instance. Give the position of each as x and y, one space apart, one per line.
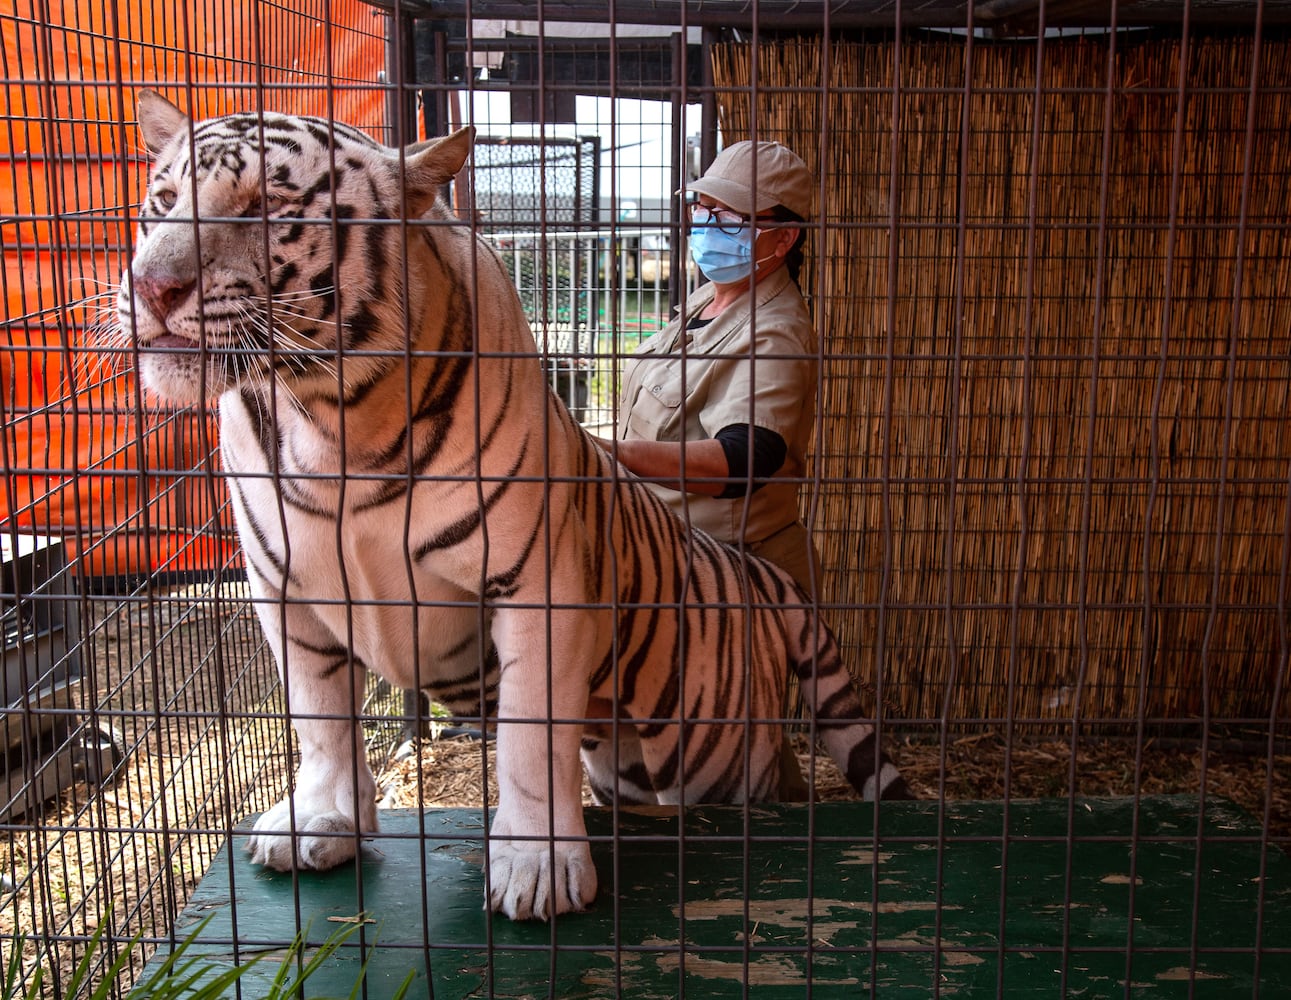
412 498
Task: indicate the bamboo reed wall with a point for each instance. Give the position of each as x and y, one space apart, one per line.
1054 452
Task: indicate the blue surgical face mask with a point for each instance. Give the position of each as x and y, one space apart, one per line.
723 257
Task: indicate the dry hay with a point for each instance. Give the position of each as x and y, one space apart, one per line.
205 758
447 773
95 848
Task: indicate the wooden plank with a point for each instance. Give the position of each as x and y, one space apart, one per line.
793 897
810 15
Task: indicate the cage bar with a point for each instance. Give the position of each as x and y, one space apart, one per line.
1050 490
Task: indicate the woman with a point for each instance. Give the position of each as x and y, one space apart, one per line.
717 408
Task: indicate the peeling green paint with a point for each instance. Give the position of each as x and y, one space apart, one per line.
897 915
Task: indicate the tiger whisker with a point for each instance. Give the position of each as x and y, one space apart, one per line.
293 310
246 361
313 349
97 355
108 287
85 301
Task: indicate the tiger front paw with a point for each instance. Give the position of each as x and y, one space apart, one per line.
523 883
322 840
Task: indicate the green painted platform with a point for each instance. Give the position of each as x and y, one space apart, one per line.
766 906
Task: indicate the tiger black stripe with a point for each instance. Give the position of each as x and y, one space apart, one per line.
468 523
261 538
504 584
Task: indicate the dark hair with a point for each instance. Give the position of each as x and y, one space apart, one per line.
794 258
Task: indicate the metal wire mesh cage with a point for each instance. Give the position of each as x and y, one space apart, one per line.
1045 476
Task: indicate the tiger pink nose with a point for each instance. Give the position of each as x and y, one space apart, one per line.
163 290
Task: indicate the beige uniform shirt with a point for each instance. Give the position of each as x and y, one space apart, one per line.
689 384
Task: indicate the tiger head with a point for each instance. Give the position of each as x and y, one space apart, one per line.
268 248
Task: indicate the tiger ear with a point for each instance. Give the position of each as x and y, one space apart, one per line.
159 120
431 164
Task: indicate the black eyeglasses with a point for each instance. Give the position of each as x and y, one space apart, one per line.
728 221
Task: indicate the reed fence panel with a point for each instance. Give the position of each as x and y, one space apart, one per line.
1053 451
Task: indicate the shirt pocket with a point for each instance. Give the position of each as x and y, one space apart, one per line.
656 413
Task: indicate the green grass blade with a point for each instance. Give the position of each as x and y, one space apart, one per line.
405 986
325 951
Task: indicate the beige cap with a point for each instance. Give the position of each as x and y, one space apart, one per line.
782 179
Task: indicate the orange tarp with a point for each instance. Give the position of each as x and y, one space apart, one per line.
131 488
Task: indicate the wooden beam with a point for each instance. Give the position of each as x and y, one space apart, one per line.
811 15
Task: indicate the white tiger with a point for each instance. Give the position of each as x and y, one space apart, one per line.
412 499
